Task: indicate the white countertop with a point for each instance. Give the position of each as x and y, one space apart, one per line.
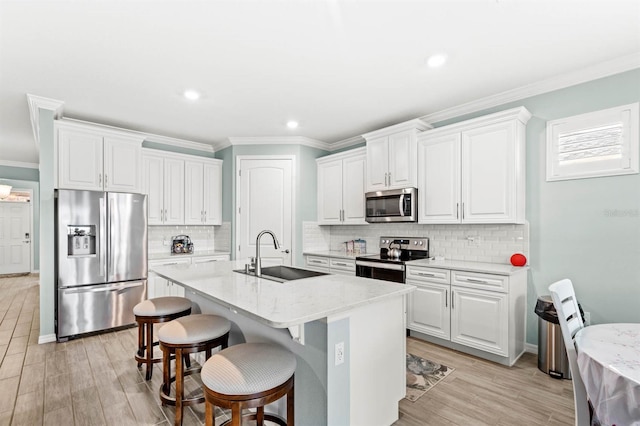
280 305
336 254
462 265
196 253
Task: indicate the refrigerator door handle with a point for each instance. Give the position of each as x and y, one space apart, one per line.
102 234
100 288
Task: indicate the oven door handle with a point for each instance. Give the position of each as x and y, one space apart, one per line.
380 265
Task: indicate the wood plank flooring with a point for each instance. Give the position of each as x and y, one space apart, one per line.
95 380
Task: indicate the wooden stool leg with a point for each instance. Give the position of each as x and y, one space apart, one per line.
179 386
209 414
236 415
149 351
260 416
187 360
290 407
140 341
166 370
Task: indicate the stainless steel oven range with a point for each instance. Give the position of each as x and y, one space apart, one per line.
389 264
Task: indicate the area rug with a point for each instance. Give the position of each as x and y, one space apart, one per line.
422 375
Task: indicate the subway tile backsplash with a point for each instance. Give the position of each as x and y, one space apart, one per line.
480 243
203 237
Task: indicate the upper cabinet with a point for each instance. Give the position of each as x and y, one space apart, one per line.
182 189
341 188
474 171
391 156
95 158
163 182
203 192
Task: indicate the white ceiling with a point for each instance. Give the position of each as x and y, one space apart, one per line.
340 68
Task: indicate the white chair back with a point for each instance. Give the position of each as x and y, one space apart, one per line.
564 300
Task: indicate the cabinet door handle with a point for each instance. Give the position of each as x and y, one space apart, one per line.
451 299
425 274
205 216
100 179
315 261
457 210
106 179
472 280
389 179
446 297
341 264
463 211
165 215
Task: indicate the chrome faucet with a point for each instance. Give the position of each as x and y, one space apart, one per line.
276 245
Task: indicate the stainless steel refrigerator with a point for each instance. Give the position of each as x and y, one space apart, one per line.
101 260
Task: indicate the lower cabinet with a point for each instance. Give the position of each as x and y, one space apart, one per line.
330 265
158 286
484 313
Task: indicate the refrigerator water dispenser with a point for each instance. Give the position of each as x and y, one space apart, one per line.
81 240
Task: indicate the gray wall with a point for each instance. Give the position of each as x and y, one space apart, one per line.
574 233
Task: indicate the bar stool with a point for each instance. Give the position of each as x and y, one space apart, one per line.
249 375
181 337
150 312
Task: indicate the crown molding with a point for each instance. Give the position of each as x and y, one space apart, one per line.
603 69
279 140
166 140
35 104
20 164
416 123
345 143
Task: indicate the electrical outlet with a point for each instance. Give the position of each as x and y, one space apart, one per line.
339 353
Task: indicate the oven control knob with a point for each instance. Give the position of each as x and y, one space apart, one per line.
420 243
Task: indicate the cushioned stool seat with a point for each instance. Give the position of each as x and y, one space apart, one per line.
150 312
180 337
249 375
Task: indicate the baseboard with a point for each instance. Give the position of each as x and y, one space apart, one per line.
532 349
47 338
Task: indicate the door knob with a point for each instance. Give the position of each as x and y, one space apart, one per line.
285 251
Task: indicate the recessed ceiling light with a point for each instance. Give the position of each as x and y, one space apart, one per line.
192 95
435 61
292 124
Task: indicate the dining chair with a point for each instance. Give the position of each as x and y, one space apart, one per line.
570 319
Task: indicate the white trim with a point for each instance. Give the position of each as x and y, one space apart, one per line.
416 123
530 348
604 69
279 140
198 146
222 145
294 190
20 164
35 104
46 338
345 143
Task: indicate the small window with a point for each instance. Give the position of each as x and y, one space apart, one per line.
601 143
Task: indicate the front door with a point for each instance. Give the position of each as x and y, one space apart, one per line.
264 201
15 238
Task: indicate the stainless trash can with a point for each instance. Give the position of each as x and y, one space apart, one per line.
552 353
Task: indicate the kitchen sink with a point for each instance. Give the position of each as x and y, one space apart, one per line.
283 273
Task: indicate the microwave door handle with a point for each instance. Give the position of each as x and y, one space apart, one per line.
401 205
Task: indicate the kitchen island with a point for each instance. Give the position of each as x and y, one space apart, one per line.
348 335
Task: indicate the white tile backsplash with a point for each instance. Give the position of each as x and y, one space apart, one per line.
202 237
482 243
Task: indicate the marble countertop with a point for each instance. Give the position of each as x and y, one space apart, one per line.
336 254
462 265
196 253
280 305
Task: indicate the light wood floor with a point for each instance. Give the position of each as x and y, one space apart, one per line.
95 381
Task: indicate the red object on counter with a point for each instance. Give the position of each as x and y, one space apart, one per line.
518 259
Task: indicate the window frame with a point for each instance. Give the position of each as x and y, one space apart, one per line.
629 115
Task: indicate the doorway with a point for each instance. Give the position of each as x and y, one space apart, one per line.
15 233
265 200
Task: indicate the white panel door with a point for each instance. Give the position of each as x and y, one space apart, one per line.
152 185
488 173
15 231
193 193
330 192
212 197
264 201
354 171
439 179
402 160
428 309
480 319
80 160
122 164
377 163
173 211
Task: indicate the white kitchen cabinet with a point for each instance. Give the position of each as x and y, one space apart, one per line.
478 313
207 259
391 156
203 192
158 286
341 188
163 182
331 264
317 263
95 158
474 171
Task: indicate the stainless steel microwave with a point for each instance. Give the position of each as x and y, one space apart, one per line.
394 205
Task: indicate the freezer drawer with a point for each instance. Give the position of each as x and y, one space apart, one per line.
97 307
